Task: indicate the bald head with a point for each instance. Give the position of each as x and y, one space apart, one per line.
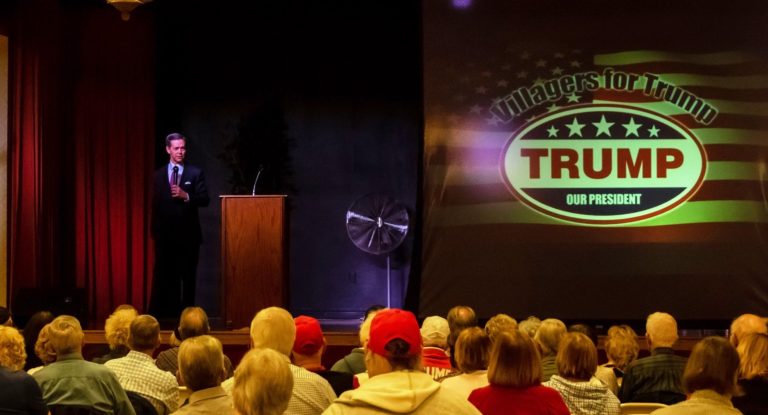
661 329
193 323
747 324
461 317
273 328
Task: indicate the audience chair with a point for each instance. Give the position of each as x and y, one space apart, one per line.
141 405
640 408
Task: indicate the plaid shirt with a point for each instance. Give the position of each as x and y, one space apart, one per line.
590 397
656 378
137 373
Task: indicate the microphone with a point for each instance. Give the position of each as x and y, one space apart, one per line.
261 168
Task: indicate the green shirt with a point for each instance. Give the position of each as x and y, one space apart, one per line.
72 381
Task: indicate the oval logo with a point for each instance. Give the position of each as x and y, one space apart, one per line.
603 164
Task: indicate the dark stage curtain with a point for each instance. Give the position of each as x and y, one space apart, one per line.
82 154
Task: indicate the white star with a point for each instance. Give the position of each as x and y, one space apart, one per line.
573 97
653 131
525 55
476 109
538 81
522 74
557 71
574 128
481 90
632 127
552 107
492 121
576 64
558 55
552 131
541 63
603 127
502 83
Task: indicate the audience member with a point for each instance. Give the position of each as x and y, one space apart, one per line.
372 310
193 322
473 348
137 372
263 383
43 349
201 370
5 317
514 374
621 348
583 393
530 326
548 338
72 381
308 349
605 374
753 375
19 393
459 318
273 328
354 362
744 325
499 323
709 380
396 385
116 330
31 332
434 357
656 378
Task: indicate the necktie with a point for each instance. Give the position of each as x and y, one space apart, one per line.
175 176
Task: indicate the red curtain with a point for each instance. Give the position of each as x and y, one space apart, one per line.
80 190
31 251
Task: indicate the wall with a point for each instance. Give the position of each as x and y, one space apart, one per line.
342 81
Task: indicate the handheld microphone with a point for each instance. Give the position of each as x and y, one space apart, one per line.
261 168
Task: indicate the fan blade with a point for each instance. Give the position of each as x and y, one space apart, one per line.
401 228
359 216
370 241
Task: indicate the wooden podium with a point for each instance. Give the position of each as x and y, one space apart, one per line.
253 259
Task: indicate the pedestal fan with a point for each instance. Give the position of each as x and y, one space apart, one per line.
378 224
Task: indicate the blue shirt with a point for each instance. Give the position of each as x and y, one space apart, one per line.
170 171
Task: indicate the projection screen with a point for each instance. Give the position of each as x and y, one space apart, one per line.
595 160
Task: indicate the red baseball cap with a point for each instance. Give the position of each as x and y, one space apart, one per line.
393 323
309 336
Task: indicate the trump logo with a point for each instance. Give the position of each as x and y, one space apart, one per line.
603 164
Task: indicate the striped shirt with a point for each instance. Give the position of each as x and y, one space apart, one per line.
656 378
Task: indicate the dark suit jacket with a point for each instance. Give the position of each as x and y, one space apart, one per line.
175 219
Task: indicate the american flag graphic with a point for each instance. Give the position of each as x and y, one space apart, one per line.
464 137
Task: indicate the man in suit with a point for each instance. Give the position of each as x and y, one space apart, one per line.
179 190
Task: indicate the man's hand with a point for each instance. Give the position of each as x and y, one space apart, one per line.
178 193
